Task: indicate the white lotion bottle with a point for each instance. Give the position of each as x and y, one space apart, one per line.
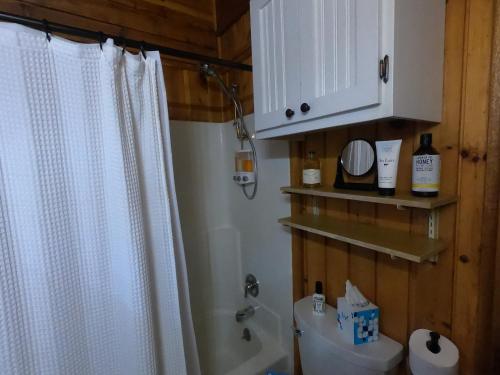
387 165
318 298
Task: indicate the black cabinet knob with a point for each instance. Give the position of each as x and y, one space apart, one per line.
304 107
289 112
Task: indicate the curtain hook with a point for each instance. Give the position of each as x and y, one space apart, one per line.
142 50
101 38
124 46
47 29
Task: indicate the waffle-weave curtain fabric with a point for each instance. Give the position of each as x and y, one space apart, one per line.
92 275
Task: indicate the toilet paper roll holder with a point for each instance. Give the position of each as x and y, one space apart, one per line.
433 343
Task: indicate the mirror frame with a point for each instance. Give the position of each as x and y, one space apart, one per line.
370 170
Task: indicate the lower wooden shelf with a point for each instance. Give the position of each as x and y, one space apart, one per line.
396 243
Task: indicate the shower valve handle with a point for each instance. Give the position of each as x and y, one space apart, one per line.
251 286
289 112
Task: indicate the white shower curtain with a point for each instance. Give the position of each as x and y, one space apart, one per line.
92 272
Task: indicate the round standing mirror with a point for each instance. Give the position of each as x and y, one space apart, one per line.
358 157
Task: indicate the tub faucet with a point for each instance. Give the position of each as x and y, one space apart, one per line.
244 314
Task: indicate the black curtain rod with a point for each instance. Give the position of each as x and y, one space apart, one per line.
99 36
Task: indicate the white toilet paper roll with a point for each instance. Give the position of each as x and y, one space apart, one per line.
424 362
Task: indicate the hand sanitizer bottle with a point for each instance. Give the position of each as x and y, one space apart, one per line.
319 300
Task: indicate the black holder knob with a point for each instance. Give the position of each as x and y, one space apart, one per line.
304 107
433 343
289 112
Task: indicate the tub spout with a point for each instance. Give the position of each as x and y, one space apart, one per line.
244 314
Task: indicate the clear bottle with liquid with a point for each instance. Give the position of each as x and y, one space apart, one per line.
311 174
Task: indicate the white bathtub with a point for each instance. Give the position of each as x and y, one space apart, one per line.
224 352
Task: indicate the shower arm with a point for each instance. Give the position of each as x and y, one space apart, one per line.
231 95
208 71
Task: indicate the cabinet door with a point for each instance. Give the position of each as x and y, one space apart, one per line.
339 56
275 58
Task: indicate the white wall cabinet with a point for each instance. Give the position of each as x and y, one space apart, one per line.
318 63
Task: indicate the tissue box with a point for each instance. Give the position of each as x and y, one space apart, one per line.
359 325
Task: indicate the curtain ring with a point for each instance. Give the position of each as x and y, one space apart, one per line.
47 29
101 38
142 50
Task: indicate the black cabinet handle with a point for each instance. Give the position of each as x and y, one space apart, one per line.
289 112
305 107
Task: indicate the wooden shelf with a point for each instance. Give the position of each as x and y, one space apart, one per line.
396 243
400 199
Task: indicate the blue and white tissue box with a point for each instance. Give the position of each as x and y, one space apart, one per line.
358 324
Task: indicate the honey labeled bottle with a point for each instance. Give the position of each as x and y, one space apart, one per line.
311 174
426 169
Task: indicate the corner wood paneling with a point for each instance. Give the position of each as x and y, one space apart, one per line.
228 12
182 24
491 228
443 296
234 44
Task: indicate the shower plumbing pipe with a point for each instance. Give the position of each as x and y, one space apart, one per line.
239 123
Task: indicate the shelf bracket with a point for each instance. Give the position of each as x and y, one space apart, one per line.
315 206
433 229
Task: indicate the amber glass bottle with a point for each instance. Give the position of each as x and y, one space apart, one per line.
311 174
426 169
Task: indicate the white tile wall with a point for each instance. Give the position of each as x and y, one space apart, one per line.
227 236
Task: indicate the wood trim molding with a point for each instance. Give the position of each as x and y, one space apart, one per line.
490 286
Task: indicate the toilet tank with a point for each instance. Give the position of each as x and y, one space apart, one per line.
323 350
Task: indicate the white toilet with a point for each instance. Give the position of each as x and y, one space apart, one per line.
324 351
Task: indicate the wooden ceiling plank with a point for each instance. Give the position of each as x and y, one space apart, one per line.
169 24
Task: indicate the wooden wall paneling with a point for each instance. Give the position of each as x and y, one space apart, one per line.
176 94
201 96
442 296
235 44
392 275
362 261
491 229
337 253
245 84
202 9
137 19
296 158
296 162
314 245
431 286
189 96
472 179
228 12
245 91
56 15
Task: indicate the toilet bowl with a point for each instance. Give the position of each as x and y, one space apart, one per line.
324 351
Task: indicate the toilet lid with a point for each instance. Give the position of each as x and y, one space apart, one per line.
381 355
